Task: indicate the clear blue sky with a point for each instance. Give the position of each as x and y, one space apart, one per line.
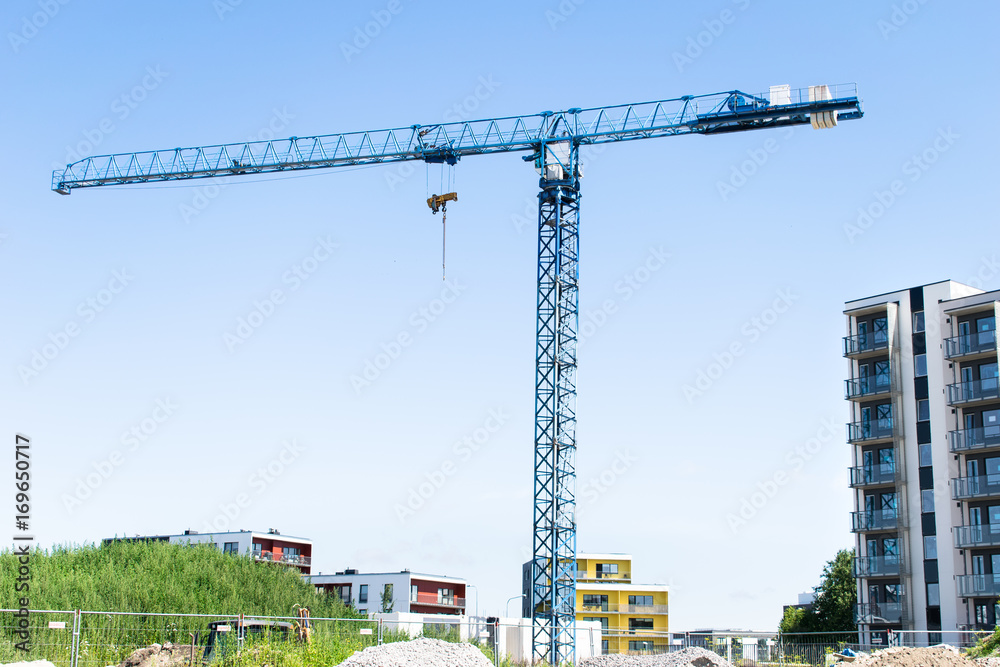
128 76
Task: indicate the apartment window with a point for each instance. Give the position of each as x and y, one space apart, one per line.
231 548
363 593
981 617
640 624
927 501
595 601
362 611
924 455
923 410
602 619
641 600
640 646
881 326
930 547
604 645
918 322
446 596
291 551
919 365
413 593
606 569
933 595
345 593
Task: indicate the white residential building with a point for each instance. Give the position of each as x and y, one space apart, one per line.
925 433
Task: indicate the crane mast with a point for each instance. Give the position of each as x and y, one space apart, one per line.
553 140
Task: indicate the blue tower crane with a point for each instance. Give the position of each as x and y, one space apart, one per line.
553 141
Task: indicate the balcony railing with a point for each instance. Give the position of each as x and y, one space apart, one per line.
984 535
871 613
864 344
983 486
612 608
876 566
873 385
973 343
582 575
876 429
973 390
873 520
289 559
974 438
437 600
882 473
978 585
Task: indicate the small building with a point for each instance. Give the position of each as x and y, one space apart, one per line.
633 617
269 547
405 591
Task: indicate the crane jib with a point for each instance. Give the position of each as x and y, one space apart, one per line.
447 143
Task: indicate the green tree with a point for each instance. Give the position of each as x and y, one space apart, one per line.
387 601
833 610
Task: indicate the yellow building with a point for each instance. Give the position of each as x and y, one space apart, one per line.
633 617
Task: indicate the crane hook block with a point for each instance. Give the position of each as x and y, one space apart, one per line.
439 202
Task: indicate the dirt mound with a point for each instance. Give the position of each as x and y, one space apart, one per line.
419 653
901 656
693 655
166 655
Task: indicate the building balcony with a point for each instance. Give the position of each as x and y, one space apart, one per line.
978 585
623 609
435 600
288 559
971 439
968 488
617 577
874 521
971 346
984 535
870 431
876 566
872 613
865 345
873 475
972 391
865 389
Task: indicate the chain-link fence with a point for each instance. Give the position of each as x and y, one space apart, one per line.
97 639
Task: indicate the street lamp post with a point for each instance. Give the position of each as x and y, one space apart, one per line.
512 598
467 586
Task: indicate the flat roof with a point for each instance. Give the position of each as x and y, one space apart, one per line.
417 575
256 533
899 291
611 584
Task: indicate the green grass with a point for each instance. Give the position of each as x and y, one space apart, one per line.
158 577
161 577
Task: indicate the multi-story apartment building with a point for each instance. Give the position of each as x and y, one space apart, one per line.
633 617
271 547
407 592
925 434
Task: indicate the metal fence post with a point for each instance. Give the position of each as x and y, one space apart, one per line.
379 640
74 651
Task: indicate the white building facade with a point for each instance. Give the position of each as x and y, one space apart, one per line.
409 592
924 431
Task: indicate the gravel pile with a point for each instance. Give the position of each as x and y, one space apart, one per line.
165 655
693 655
419 653
899 656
